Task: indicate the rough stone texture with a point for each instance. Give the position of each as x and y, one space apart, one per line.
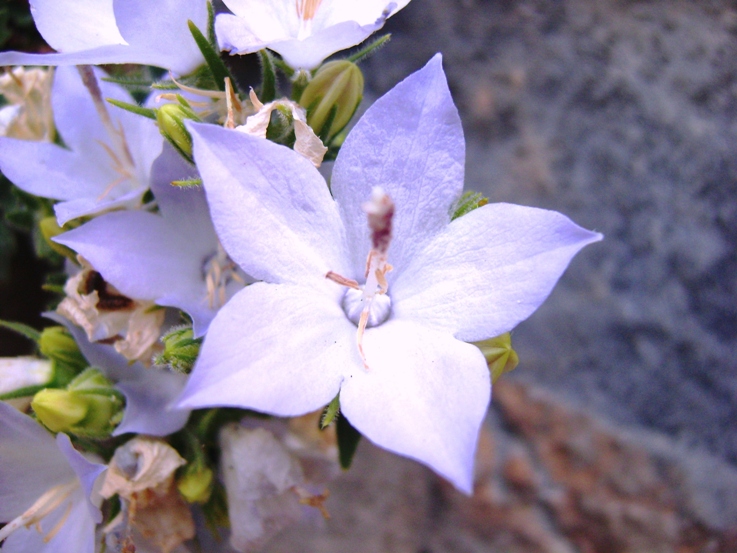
549 479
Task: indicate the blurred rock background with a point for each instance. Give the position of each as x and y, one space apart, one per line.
618 431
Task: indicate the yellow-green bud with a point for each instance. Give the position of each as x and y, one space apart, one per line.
57 344
333 93
499 354
181 349
88 407
195 484
170 118
59 410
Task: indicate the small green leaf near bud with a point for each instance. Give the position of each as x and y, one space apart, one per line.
170 118
348 438
336 87
500 357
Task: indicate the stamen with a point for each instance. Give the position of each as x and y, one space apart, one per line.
306 9
55 530
343 281
316 501
219 271
44 505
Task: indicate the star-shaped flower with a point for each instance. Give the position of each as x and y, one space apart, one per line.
47 489
304 32
390 339
116 31
108 157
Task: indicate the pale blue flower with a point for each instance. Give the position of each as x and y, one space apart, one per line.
94 32
288 345
172 258
105 164
304 32
48 491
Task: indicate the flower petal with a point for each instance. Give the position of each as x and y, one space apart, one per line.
159 32
489 270
76 530
279 349
87 473
256 188
410 143
74 25
424 395
147 401
31 462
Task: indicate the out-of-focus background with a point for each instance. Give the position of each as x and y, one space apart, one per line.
618 431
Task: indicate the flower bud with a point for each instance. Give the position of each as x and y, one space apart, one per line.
181 349
499 354
332 97
196 483
58 345
170 118
89 406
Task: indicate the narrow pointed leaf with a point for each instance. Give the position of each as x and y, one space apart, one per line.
212 58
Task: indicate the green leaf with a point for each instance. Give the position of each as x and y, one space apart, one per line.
133 108
268 77
348 438
22 329
211 26
212 58
370 50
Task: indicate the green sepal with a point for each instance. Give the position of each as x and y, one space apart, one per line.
133 108
22 392
331 411
467 203
212 58
499 355
284 67
348 438
370 49
211 36
22 329
267 92
187 183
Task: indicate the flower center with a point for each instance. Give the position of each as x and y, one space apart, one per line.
379 307
362 305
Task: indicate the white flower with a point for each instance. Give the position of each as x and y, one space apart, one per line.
94 32
28 113
48 494
304 32
408 380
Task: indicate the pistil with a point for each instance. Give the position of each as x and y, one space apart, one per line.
380 211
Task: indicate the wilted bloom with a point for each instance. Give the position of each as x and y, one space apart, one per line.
172 258
304 32
116 31
141 472
108 153
28 113
48 493
104 313
306 141
371 293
